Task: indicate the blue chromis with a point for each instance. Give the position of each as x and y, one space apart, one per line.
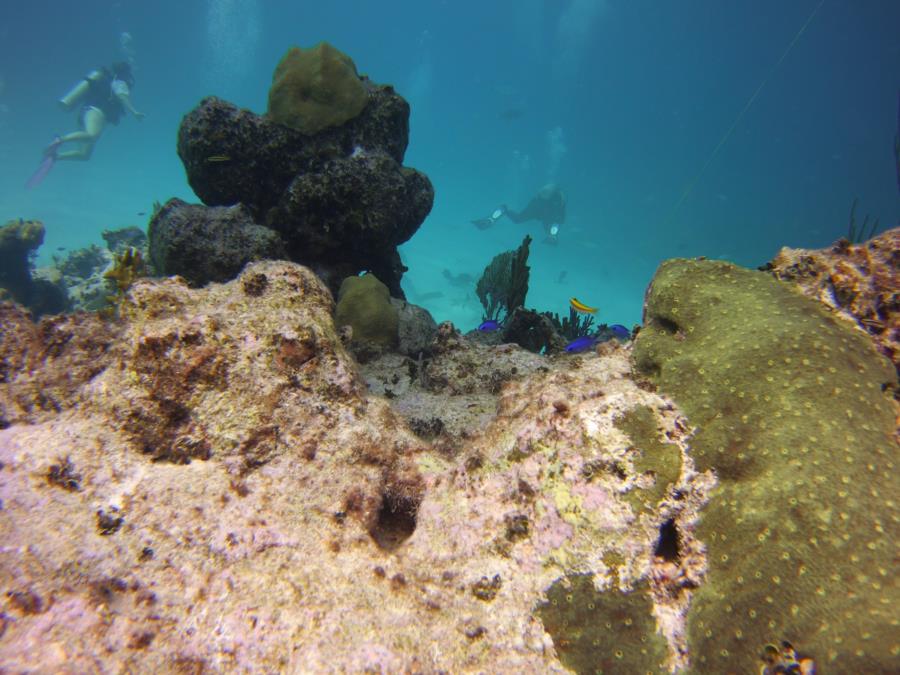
489 326
581 344
620 331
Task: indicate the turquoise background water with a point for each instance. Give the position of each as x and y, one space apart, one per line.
621 102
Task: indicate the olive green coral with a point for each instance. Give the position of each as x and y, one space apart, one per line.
654 456
364 304
313 89
790 412
602 632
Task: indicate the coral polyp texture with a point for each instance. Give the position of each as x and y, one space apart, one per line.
793 412
315 88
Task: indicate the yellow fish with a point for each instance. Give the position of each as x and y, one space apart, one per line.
218 158
579 306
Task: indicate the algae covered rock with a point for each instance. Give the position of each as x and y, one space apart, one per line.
19 239
313 89
790 412
208 244
364 304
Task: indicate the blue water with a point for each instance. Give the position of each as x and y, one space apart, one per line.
621 102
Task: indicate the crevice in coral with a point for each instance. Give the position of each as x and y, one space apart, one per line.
668 546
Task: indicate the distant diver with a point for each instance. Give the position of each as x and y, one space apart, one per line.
102 97
548 207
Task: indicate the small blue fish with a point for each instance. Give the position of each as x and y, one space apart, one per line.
620 331
489 326
581 344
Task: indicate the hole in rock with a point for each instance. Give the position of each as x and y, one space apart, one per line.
668 545
396 521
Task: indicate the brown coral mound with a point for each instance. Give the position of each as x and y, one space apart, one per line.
316 88
860 281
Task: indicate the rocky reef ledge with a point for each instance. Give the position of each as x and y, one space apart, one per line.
211 484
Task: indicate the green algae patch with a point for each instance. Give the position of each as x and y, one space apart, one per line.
662 459
602 632
313 89
790 412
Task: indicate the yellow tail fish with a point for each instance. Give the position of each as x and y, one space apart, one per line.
579 306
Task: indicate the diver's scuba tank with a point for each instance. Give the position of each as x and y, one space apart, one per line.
78 92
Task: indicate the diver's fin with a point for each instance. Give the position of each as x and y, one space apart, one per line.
496 214
43 169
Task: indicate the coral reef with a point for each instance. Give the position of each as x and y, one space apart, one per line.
791 413
504 283
354 211
315 88
125 237
860 281
206 485
533 331
127 267
88 274
204 244
83 262
340 199
19 240
210 482
574 326
364 304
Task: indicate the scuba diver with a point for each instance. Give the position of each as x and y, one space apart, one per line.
548 207
103 96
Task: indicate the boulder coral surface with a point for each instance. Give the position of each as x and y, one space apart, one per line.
794 413
364 304
315 88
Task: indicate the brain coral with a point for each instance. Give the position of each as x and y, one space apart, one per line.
313 89
365 304
791 413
